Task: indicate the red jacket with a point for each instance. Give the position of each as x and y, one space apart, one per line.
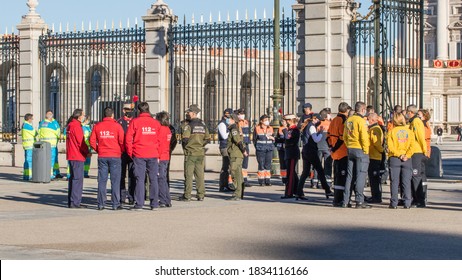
76 148
165 136
107 139
142 138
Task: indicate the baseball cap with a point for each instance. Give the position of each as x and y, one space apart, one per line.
193 108
307 105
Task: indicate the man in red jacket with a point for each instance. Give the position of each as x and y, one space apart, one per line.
107 139
76 153
142 145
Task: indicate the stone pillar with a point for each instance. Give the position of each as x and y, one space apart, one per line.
325 51
157 22
442 29
30 29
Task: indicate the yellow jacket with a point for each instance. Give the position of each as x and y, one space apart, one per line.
356 134
400 142
417 126
376 139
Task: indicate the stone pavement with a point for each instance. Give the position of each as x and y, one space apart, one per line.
35 224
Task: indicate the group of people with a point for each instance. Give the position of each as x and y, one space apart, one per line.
360 144
347 148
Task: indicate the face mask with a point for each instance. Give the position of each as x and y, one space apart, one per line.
267 123
227 121
241 117
129 114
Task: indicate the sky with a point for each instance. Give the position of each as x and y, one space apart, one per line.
75 12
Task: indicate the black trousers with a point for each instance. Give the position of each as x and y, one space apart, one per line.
224 173
75 184
417 178
127 164
292 177
375 179
311 158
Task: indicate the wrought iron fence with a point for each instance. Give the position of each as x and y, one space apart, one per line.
387 66
9 87
230 65
92 70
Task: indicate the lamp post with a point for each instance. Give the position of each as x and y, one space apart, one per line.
277 96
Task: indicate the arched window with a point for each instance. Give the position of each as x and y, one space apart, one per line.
180 95
251 99
54 94
95 94
214 101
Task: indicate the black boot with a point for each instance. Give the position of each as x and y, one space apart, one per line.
338 198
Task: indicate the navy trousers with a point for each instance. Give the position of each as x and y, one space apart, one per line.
75 184
164 190
151 165
106 166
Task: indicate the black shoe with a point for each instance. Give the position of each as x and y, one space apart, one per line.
100 208
168 205
59 176
234 198
261 184
162 205
287 197
118 208
363 206
268 184
300 197
407 207
247 185
78 206
329 194
154 208
200 199
347 205
392 207
184 199
85 176
420 205
400 202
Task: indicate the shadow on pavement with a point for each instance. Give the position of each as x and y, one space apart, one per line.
11 177
354 243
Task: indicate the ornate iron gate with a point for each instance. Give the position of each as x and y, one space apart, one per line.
9 87
92 70
229 65
388 55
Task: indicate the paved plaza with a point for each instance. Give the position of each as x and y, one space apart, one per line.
35 224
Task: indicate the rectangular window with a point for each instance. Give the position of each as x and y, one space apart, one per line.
437 104
459 51
454 109
429 51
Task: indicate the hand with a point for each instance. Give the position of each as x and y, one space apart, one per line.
404 158
246 154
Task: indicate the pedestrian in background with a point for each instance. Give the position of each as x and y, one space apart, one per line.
339 153
236 151
244 126
400 151
263 140
223 132
86 126
376 139
194 138
50 131
292 154
76 153
356 138
28 136
439 135
127 162
165 137
107 140
142 145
